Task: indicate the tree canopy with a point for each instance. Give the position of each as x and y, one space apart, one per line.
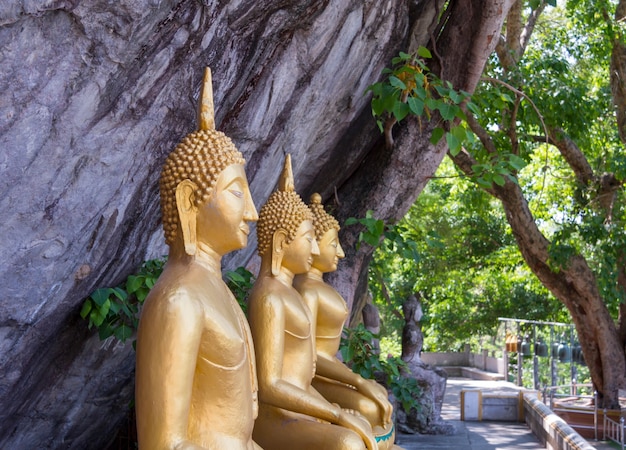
547 147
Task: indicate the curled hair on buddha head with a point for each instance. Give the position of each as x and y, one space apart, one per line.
284 210
322 221
200 157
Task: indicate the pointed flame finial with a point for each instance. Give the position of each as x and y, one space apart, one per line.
206 112
286 183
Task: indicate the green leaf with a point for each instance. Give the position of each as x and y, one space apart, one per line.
105 332
134 282
115 307
150 282
371 239
443 91
454 144
100 296
432 103
378 106
400 110
448 111
455 96
142 293
348 356
123 332
516 162
499 179
484 182
97 315
84 311
351 221
424 52
234 276
416 106
473 108
437 135
119 293
397 83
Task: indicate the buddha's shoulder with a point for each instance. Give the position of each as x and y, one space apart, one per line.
270 290
302 283
185 289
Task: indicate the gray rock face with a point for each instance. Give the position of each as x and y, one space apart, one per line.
93 95
432 387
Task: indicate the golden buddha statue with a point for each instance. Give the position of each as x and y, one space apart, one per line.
333 379
292 414
195 381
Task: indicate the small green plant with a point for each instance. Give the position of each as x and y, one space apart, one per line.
357 352
240 282
379 234
115 311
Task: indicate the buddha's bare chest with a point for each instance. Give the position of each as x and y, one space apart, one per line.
225 333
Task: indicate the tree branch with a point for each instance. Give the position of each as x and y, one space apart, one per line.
530 26
522 94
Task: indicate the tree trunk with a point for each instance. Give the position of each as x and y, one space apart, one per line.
388 182
573 284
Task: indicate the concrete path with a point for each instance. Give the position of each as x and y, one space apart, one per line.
477 435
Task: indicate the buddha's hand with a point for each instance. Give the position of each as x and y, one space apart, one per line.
379 395
360 426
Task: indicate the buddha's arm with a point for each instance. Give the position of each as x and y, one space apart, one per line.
334 369
268 330
167 354
330 367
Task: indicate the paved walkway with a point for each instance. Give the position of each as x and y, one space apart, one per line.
477 435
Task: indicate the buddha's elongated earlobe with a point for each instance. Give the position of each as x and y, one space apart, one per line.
278 249
187 214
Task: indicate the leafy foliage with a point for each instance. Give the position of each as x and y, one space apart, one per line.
357 351
410 88
467 266
240 282
115 311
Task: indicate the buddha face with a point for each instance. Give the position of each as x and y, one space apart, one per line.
298 254
330 252
221 221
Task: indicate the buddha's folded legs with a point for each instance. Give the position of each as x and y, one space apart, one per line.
287 431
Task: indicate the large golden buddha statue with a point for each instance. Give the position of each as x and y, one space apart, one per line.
292 414
195 380
333 379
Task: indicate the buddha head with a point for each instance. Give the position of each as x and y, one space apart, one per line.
205 197
285 230
327 236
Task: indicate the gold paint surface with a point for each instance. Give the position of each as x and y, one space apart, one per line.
196 379
292 413
333 379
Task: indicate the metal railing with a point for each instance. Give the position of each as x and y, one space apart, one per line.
613 430
551 396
